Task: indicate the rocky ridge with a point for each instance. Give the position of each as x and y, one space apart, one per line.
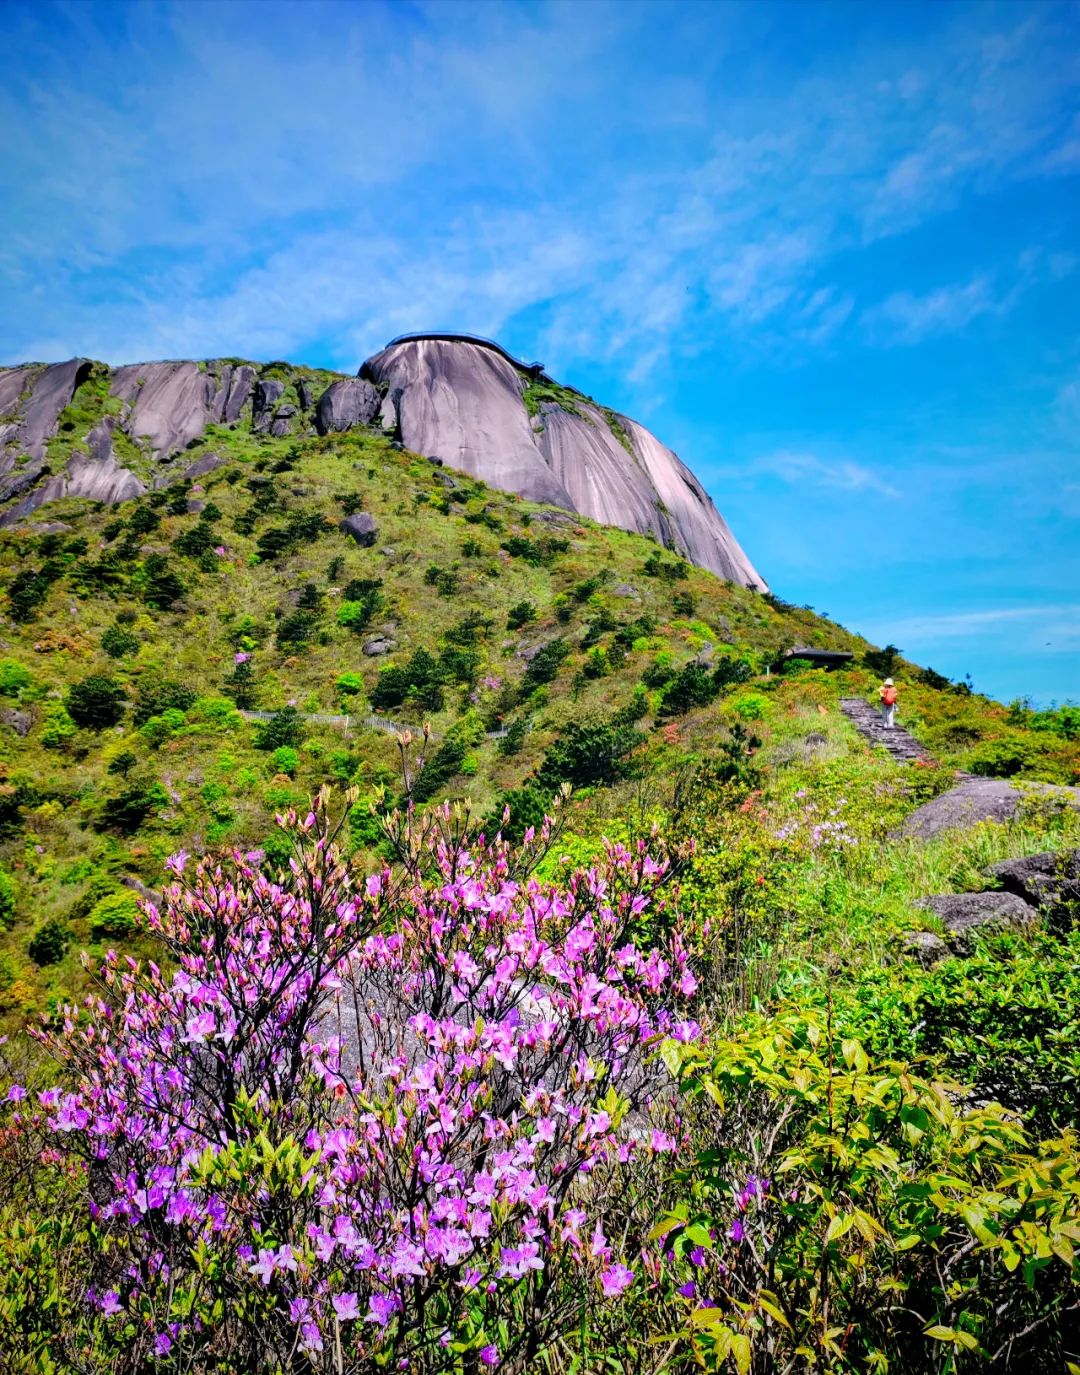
457 400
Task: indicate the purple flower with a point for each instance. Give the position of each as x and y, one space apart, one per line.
615 1279
381 1308
110 1304
738 1231
346 1306
687 1290
16 1093
162 1344
489 1355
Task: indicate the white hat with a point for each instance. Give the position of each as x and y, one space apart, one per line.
888 682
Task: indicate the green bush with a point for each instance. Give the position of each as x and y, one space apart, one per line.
349 684
544 666
588 753
158 728
49 942
118 641
14 678
692 686
127 810
7 900
157 694
521 613
285 760
58 728
115 917
283 728
96 702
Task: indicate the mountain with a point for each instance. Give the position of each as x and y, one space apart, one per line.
453 398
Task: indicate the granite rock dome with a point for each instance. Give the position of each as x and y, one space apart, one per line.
82 429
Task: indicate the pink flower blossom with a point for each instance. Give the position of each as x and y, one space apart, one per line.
615 1279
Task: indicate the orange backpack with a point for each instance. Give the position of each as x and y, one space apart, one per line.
888 696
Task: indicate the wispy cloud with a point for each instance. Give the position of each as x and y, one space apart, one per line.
1058 623
806 469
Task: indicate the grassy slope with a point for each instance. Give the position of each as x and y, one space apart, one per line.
218 788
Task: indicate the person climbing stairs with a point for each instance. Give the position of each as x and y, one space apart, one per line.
868 721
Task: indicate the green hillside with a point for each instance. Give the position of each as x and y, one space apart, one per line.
865 1156
538 649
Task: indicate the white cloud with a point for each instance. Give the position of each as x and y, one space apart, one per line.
800 468
1056 623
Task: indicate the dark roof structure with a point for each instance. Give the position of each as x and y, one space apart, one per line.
819 658
453 337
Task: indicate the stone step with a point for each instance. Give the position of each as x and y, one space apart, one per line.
867 721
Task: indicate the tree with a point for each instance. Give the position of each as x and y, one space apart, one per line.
883 662
97 702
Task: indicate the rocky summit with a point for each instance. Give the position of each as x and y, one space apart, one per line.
82 429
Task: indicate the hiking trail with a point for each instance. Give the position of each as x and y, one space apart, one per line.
867 721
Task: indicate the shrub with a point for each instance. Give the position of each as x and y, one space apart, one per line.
285 760
118 641
544 665
588 753
512 742
58 728
349 684
96 702
752 706
222 1147
49 942
691 687
7 900
127 811
157 694
882 662
297 628
114 917
161 586
14 678
29 588
158 728
283 728
518 810
521 613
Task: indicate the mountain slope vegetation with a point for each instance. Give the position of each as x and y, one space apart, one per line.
858 1159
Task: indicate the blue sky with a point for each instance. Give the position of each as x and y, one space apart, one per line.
830 253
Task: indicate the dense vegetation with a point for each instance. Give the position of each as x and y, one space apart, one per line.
657 1086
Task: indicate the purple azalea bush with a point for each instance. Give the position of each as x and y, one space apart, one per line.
369 1122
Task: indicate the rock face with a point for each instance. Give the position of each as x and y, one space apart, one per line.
464 402
456 400
345 404
978 799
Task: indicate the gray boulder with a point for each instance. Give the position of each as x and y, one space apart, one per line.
31 400
379 644
168 404
267 394
362 527
99 440
206 464
304 393
1048 880
978 799
19 721
344 404
463 402
234 393
925 947
84 477
964 914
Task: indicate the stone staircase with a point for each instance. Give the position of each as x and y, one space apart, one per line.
867 721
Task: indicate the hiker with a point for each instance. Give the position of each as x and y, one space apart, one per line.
887 693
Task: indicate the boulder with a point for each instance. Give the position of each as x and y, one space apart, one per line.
19 721
361 527
206 464
1049 880
267 394
925 947
964 914
304 393
352 401
85 477
623 589
99 440
978 799
379 644
236 386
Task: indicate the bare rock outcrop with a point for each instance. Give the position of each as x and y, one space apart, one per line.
361 527
464 404
979 799
31 400
352 401
463 401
